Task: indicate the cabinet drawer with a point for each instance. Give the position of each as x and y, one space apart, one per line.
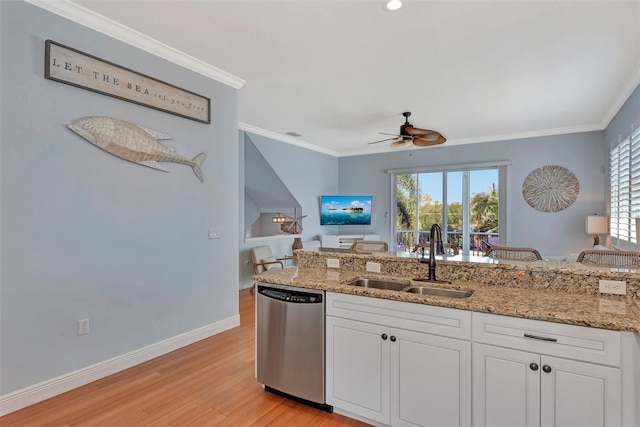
443 321
554 339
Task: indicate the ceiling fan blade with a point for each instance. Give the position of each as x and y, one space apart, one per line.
425 142
382 140
401 143
417 131
394 134
430 136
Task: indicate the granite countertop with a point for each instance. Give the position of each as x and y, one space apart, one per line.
611 312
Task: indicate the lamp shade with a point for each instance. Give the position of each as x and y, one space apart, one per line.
595 224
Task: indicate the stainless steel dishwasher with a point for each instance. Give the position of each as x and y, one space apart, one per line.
290 354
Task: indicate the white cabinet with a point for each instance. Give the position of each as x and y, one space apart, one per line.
394 375
579 394
513 388
403 364
531 388
430 380
357 368
505 391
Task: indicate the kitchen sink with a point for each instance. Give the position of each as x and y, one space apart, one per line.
400 286
439 292
379 284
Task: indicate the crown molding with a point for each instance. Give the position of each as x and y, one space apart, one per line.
88 18
482 139
287 139
530 134
634 82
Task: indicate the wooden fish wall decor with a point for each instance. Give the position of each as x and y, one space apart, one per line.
132 142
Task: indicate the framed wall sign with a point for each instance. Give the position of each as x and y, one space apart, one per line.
66 65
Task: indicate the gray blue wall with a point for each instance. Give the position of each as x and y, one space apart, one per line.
307 174
629 112
553 234
88 235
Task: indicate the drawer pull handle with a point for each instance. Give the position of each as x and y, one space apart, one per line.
546 368
393 338
535 337
384 337
533 366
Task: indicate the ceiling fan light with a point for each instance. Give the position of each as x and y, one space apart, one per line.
401 143
393 5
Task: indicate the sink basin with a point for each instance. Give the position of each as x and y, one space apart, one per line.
439 292
379 284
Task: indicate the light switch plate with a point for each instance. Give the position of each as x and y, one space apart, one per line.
333 263
616 287
373 267
83 326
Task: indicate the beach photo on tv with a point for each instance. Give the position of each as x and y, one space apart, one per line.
345 210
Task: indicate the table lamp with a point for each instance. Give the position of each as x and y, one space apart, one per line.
595 224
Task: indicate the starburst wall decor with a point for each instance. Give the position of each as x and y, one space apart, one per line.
550 188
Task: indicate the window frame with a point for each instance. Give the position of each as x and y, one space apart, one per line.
501 166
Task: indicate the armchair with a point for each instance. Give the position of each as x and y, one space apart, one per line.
513 253
263 260
606 258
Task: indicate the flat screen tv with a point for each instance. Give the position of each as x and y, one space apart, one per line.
345 210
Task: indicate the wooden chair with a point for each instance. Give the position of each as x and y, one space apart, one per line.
513 253
449 248
368 246
263 260
610 258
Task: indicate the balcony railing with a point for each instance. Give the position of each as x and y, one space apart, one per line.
479 242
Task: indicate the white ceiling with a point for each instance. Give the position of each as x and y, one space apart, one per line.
340 71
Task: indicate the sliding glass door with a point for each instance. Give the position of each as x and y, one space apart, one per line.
465 203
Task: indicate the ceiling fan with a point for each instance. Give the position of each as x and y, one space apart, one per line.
411 135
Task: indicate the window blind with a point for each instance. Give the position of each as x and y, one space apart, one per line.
624 183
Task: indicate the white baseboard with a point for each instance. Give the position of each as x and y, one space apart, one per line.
38 392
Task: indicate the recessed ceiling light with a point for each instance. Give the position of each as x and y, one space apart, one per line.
393 5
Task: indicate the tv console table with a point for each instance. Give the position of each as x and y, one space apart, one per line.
344 240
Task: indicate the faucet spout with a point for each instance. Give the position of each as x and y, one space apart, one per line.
435 242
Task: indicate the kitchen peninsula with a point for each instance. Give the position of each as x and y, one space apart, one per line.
534 343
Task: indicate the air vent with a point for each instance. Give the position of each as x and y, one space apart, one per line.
294 134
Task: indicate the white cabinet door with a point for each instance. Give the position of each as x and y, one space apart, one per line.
579 394
430 380
358 368
506 387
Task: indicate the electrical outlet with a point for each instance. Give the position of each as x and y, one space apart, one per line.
83 326
373 267
333 263
617 287
214 233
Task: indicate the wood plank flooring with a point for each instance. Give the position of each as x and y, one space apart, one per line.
209 383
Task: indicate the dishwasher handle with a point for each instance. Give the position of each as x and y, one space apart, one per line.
290 296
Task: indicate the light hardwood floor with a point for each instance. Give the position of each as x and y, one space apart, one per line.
209 383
